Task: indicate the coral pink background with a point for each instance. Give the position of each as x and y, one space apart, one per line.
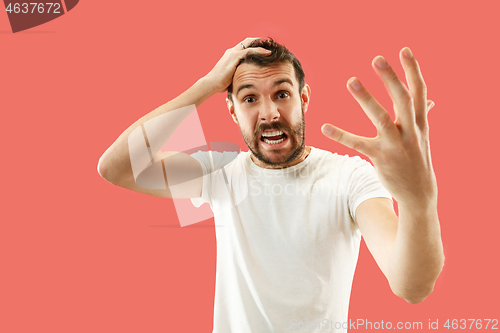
80 255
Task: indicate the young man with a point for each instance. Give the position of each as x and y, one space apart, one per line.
293 215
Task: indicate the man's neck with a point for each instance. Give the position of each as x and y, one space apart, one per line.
299 159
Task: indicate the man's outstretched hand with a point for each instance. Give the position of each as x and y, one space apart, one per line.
400 152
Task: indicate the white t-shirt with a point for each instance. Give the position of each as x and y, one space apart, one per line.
287 243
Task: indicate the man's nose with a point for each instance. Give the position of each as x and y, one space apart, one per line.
269 111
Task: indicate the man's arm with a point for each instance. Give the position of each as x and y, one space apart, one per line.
116 165
407 249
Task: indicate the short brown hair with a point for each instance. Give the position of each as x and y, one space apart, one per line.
279 54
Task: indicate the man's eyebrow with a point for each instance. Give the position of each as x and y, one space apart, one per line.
275 83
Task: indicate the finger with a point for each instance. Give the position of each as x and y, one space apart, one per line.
416 85
401 97
244 49
430 105
377 114
255 50
244 43
359 143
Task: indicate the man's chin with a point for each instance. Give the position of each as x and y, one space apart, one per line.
274 155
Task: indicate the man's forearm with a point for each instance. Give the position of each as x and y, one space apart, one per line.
115 163
417 258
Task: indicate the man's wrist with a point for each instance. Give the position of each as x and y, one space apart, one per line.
209 85
199 92
418 210
420 198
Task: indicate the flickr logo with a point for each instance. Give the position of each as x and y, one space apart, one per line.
25 15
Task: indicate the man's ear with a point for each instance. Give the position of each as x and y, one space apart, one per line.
230 107
305 96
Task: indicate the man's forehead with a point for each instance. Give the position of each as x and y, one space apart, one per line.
253 74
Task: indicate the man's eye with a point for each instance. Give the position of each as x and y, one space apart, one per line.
282 94
248 99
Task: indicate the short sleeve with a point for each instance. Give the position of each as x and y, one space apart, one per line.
210 161
364 184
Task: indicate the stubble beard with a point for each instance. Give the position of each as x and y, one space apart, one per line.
296 136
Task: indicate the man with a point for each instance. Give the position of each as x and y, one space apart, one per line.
293 214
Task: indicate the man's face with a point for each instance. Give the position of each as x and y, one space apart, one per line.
270 111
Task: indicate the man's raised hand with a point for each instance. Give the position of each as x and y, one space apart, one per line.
222 74
400 152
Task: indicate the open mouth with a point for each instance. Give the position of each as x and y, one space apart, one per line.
273 137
